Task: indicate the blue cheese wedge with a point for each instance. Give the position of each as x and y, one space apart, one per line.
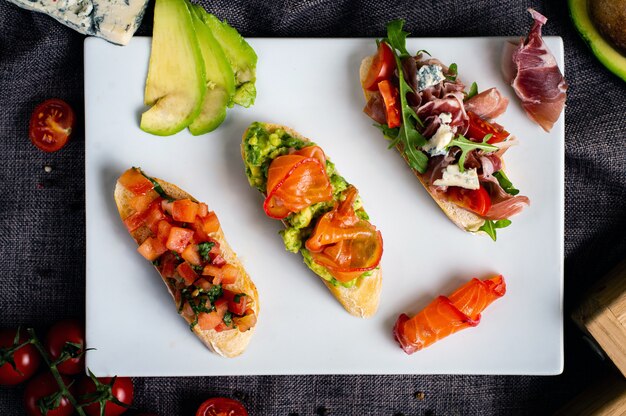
113 20
429 75
452 176
436 145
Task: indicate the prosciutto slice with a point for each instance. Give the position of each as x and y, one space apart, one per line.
537 81
446 315
487 105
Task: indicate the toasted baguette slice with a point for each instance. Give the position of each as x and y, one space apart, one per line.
228 343
463 218
360 300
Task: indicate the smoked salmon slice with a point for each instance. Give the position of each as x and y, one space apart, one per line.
344 243
446 315
296 181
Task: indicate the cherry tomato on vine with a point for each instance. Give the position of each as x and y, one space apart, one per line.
43 386
62 332
122 390
51 125
221 406
26 358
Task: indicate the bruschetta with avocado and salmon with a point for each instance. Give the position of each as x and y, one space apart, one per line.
323 214
184 241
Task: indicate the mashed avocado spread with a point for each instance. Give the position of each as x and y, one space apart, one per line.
260 147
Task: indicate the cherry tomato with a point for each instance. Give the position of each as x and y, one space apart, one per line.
51 125
26 359
479 128
41 386
60 333
122 389
221 406
383 65
475 200
392 106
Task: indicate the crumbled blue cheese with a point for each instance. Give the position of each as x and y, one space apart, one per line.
429 75
452 176
436 145
113 20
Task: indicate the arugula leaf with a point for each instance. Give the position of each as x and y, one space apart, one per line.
467 146
505 183
204 249
472 91
396 37
388 132
490 227
453 70
422 51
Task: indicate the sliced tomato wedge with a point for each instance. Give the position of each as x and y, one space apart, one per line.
296 181
51 125
475 200
392 106
479 128
383 65
345 244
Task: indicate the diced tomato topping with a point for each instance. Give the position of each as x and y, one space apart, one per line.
200 236
230 274
163 230
213 271
187 273
141 202
222 327
475 200
237 302
203 210
135 182
479 128
191 255
134 221
168 265
245 322
184 210
212 319
383 65
178 239
218 260
151 248
392 104
210 223
166 206
153 216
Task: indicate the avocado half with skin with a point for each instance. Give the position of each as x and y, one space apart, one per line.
602 48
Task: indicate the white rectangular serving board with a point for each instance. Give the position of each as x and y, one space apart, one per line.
312 85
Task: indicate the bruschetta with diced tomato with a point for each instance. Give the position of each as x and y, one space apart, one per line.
184 241
323 214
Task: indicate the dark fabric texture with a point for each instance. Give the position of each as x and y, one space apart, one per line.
42 217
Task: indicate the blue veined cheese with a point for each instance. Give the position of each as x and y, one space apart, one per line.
452 176
429 75
436 145
113 20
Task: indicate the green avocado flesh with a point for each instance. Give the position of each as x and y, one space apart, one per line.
241 56
220 79
604 50
175 86
260 148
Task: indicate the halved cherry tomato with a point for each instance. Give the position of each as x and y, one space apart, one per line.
221 406
479 128
237 302
62 332
178 239
184 210
51 125
151 248
392 108
383 65
135 182
26 359
475 200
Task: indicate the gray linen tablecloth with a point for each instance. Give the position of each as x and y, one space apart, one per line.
42 225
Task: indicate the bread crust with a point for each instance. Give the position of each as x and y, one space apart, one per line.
229 343
464 219
360 300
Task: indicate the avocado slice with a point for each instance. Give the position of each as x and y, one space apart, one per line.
602 49
175 86
241 56
220 78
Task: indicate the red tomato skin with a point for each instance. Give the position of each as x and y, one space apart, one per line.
475 200
184 210
382 68
51 125
238 308
122 389
479 128
178 239
390 98
218 406
135 182
27 359
66 331
44 385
